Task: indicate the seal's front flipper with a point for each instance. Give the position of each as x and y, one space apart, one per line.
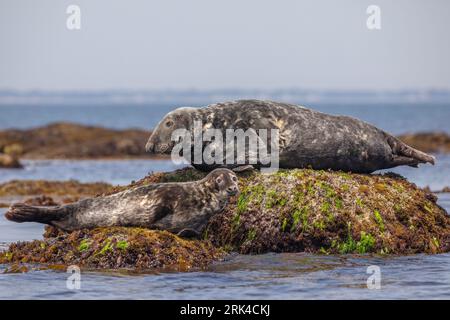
188 233
248 167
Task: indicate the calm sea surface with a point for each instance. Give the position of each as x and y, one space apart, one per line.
268 276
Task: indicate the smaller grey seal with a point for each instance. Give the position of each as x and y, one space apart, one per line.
181 208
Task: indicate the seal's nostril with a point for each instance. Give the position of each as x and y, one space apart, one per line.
231 189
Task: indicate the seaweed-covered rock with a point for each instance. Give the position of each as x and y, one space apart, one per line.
114 248
331 212
325 211
287 211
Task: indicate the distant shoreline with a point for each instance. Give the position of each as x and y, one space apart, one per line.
194 96
65 140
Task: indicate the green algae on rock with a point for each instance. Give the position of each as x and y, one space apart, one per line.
325 212
114 248
331 212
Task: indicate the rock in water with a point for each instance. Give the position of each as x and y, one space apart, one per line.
300 210
325 211
8 161
114 248
331 212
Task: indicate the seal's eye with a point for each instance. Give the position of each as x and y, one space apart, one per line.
169 124
234 178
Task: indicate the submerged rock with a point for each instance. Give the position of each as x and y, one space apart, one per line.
299 210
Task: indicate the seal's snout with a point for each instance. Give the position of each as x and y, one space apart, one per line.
150 147
232 190
432 160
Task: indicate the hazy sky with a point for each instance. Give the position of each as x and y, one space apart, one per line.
224 44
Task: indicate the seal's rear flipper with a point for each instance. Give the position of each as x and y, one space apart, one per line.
416 154
401 149
20 212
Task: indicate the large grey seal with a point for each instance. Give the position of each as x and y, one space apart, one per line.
307 138
182 208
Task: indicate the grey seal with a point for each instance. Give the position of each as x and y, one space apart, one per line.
181 208
307 138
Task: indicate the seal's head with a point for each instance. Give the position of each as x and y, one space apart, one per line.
161 139
223 181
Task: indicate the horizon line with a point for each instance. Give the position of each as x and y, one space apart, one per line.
227 89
